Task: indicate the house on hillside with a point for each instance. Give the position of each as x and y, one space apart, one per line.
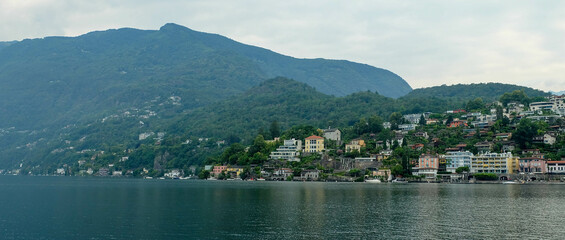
314 144
458 123
484 146
333 134
503 136
422 135
355 144
289 151
544 139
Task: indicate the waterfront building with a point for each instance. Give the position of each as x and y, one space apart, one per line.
533 165
428 165
314 144
457 159
218 169
556 167
494 163
289 151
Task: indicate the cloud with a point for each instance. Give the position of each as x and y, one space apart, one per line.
427 42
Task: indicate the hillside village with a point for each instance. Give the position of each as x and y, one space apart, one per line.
510 138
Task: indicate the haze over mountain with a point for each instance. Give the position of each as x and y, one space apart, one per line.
68 79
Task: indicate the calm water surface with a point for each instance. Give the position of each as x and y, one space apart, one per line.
104 208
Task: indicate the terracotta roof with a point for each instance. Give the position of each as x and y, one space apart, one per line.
558 162
314 137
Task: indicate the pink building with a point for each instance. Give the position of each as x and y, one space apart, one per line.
218 169
428 165
533 165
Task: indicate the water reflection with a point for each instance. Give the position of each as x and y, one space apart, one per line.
79 208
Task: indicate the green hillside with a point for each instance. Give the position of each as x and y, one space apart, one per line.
156 130
466 92
57 81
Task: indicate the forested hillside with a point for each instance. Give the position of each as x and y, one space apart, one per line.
157 130
466 92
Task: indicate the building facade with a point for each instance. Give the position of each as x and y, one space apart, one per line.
314 144
455 160
355 144
428 165
333 134
494 163
290 150
533 165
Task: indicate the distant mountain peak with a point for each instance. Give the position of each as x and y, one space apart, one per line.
173 27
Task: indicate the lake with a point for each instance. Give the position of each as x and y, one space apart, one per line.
120 208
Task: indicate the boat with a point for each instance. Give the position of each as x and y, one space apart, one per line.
510 182
373 180
399 180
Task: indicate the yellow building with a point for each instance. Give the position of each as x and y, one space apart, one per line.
494 163
355 144
314 144
235 170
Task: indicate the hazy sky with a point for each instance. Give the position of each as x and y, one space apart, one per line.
428 43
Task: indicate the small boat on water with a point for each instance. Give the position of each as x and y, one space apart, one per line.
399 180
373 180
510 182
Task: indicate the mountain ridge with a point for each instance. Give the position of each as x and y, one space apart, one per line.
61 80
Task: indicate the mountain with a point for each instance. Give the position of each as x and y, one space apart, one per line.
466 92
558 93
57 81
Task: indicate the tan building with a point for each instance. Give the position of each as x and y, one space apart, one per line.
314 144
355 144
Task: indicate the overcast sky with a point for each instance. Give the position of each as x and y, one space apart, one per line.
428 43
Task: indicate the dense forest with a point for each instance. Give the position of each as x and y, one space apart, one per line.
157 134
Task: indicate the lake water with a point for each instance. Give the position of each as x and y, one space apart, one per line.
107 208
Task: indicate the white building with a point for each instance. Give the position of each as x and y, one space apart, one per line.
555 104
290 150
333 134
407 127
455 160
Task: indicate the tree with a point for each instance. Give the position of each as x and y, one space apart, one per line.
375 124
275 129
476 104
422 120
462 169
449 120
395 119
396 170
259 145
518 96
204 174
524 133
